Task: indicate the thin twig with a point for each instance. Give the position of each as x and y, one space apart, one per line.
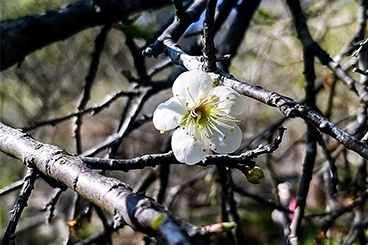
311 149
332 170
50 206
244 192
227 200
176 29
175 190
28 186
12 187
209 50
90 78
153 160
92 110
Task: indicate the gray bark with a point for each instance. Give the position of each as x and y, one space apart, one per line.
112 195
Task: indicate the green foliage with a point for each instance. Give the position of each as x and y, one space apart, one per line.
13 9
135 30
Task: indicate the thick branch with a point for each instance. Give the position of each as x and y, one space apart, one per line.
139 212
23 36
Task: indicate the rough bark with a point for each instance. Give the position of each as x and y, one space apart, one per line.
110 194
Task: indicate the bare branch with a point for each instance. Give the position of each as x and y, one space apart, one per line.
138 211
307 41
311 148
176 29
28 186
23 36
208 36
239 162
235 35
286 105
93 110
12 187
91 75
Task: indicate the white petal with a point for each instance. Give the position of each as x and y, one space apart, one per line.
231 100
186 149
167 115
193 85
228 144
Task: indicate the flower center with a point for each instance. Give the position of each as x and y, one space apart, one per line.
199 114
204 118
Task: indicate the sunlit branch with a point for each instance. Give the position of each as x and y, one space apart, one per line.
114 196
286 105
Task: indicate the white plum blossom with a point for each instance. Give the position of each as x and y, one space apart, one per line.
204 116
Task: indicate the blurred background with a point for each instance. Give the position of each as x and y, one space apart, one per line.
49 84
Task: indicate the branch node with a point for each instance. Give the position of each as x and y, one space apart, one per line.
154 49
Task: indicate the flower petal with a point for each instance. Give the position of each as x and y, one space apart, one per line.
229 143
192 85
168 114
186 149
231 100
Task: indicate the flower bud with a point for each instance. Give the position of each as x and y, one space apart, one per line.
254 175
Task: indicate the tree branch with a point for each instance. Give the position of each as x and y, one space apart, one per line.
176 29
235 35
240 162
93 110
23 36
28 186
138 211
90 78
286 105
307 41
310 151
209 49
